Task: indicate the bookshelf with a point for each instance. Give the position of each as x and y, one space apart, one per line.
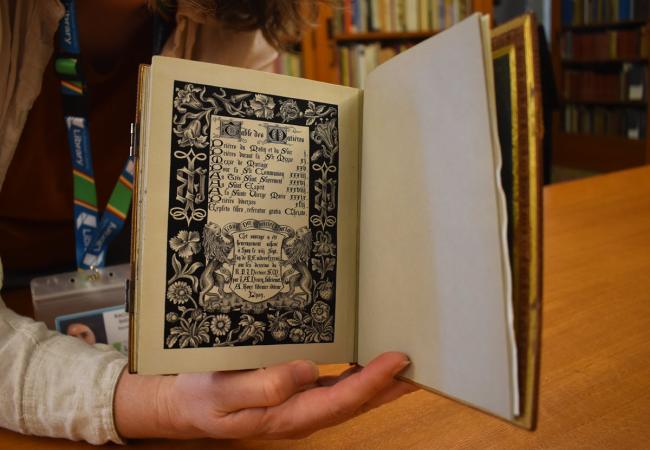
600 51
382 36
289 63
322 47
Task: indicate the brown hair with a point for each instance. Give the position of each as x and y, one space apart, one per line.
281 21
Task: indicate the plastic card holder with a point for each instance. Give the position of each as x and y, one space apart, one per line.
76 292
100 326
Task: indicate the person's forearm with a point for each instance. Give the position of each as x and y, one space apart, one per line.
276 402
54 385
140 407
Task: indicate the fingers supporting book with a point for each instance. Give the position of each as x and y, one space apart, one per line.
326 406
263 387
287 400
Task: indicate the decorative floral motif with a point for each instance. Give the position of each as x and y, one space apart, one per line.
189 334
326 133
320 311
186 243
186 97
220 325
314 112
280 333
314 328
323 265
197 315
193 110
251 329
171 317
326 290
216 305
320 331
323 245
278 325
289 110
262 106
297 335
192 135
179 293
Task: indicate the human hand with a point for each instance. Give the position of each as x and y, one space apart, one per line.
284 401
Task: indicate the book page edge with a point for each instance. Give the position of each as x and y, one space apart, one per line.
496 147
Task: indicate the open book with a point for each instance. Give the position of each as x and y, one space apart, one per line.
279 218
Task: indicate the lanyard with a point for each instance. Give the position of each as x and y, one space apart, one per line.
93 233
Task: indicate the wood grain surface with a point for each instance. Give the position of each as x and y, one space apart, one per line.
595 379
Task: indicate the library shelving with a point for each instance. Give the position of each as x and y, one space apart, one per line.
601 58
353 36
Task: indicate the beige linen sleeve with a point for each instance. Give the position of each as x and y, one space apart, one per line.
50 385
55 385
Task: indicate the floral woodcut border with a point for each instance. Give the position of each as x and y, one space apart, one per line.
198 249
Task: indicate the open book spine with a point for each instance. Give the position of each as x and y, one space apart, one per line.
137 142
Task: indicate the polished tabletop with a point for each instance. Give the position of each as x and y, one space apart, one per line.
595 376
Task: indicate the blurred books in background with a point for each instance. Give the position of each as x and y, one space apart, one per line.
604 55
617 85
609 100
369 32
600 45
362 16
603 121
589 12
288 63
357 60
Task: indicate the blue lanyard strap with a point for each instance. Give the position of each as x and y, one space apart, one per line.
68 33
92 233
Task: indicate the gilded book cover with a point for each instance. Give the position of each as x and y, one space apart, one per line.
518 97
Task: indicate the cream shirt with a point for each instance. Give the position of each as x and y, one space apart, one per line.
50 384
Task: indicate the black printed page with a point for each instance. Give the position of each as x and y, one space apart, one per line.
247 224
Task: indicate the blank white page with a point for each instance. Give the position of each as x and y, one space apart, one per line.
434 273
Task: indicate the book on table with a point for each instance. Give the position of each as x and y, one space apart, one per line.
278 218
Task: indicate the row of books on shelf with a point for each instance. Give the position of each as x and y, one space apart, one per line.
628 123
628 84
288 64
588 12
362 16
604 45
356 61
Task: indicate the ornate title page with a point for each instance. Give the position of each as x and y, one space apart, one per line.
252 223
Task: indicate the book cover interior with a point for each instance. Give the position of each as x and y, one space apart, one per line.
434 270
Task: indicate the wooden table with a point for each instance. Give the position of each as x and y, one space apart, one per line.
595 379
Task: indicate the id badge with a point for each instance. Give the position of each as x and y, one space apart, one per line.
100 326
78 292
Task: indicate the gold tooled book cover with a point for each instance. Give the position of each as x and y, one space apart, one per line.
518 96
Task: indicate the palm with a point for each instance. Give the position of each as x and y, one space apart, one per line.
283 401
